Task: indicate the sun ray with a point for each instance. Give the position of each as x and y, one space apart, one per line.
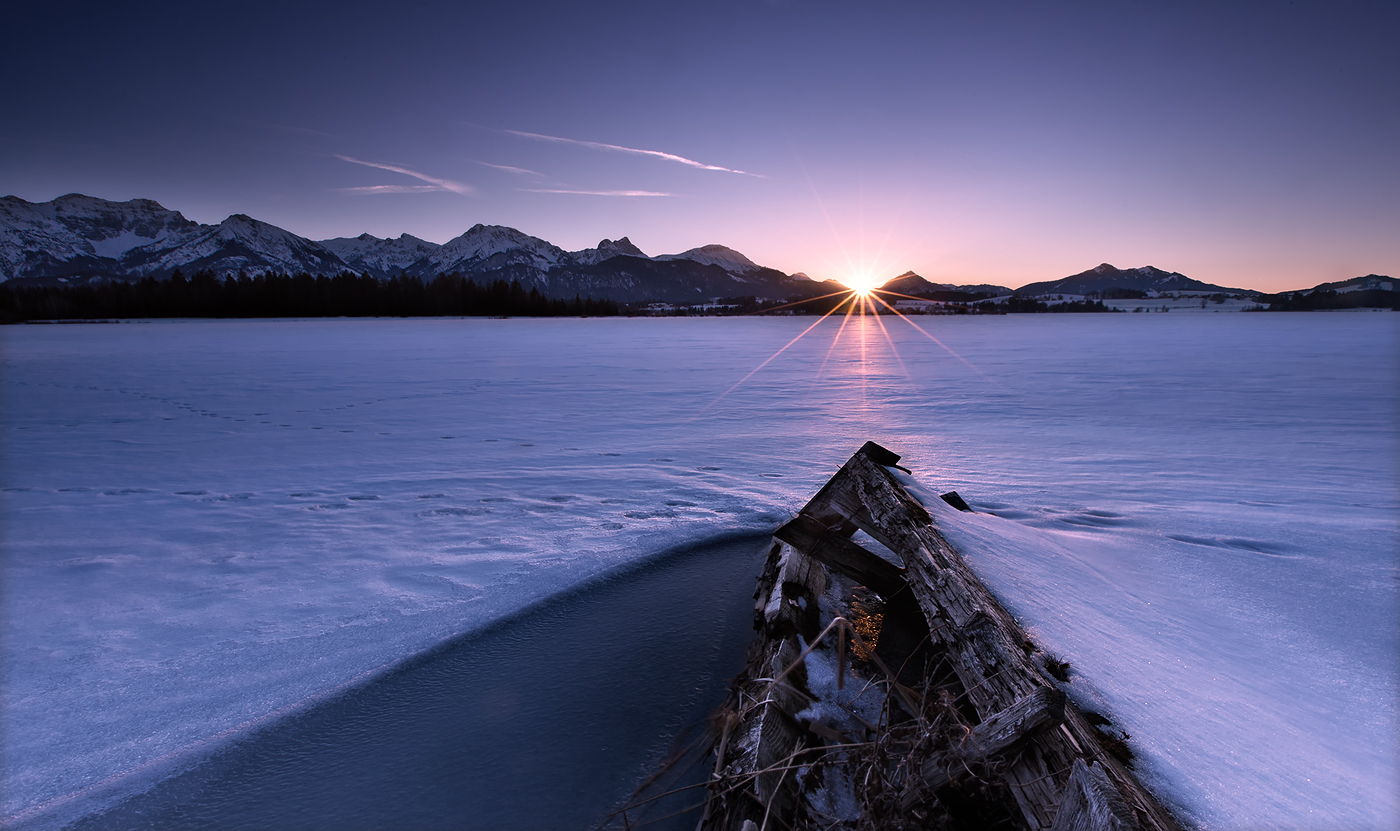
795 303
865 266
821 205
765 363
864 352
897 294
894 350
852 299
946 348
845 319
860 300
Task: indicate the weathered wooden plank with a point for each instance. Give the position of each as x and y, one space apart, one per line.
822 543
753 776
880 455
1034 781
1045 707
955 499
786 590
1091 803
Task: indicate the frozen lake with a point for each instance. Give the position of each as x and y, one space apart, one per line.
211 525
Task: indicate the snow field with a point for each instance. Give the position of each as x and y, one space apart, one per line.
208 524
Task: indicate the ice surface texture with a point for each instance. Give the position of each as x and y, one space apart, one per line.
547 720
209 524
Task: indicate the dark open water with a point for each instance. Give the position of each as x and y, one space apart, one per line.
544 721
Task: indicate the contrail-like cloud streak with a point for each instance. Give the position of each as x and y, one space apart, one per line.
439 184
507 168
617 148
373 190
598 192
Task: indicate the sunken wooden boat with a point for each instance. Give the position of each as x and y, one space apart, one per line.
888 696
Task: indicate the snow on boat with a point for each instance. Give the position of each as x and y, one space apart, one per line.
881 695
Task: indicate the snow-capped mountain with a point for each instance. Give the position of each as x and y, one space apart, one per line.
615 269
113 228
1105 276
606 250
78 237
489 247
726 258
81 238
77 234
382 258
238 244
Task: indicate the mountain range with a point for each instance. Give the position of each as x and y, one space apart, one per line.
1094 281
1103 277
913 285
78 239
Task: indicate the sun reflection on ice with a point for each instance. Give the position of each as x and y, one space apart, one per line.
865 302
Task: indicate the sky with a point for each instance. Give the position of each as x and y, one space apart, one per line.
1243 144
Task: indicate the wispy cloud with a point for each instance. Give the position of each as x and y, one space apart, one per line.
507 168
437 184
598 192
617 148
373 190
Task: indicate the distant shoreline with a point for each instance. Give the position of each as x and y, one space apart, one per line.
307 318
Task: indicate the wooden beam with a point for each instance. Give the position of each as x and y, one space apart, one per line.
819 542
1091 803
1045 707
952 498
879 455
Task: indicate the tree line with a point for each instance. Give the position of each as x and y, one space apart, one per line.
1303 301
1029 305
290 295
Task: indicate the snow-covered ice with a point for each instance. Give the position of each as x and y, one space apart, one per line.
210 524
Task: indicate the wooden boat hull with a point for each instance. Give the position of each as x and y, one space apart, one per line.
943 714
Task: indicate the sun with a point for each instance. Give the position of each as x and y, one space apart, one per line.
864 297
862 283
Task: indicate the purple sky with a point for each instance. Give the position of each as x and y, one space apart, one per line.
1241 144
